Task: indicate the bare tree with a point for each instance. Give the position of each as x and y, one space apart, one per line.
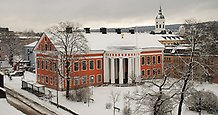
11 45
155 96
196 67
115 98
71 43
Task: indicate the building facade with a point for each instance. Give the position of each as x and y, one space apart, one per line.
112 59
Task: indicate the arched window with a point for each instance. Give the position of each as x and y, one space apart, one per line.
46 47
156 26
160 26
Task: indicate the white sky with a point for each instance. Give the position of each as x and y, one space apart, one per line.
20 15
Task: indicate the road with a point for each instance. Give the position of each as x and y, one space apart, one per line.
26 105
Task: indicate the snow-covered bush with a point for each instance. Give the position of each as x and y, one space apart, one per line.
126 110
108 105
202 100
80 94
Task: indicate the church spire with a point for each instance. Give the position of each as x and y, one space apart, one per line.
160 22
160 11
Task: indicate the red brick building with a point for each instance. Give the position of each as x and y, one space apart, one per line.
112 58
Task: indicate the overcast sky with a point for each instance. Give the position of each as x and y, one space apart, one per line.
20 15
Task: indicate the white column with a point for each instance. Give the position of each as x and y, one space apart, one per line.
129 70
106 70
112 71
137 69
121 71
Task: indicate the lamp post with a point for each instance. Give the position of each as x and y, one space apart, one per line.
57 84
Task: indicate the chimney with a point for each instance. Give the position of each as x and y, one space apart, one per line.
118 31
132 31
103 30
87 30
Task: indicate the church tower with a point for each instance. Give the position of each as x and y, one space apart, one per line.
160 23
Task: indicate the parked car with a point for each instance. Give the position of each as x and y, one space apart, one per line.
17 73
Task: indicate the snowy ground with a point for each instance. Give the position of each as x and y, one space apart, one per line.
101 95
6 108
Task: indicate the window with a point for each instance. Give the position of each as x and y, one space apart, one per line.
45 38
160 26
154 71
42 64
38 78
41 47
98 64
50 47
158 59
163 26
76 66
55 66
91 64
148 72
38 64
43 79
76 81
84 64
148 60
156 26
46 79
51 66
46 47
158 71
84 80
46 64
154 60
91 79
99 78
51 80
55 81
143 72
143 60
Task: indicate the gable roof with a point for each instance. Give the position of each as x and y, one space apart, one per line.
99 41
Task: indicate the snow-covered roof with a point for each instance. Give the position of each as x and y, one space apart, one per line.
99 41
32 44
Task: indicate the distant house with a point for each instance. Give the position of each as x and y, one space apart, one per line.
28 55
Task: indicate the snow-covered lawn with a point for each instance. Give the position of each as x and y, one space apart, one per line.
101 96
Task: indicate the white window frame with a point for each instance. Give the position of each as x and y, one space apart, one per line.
74 66
98 77
84 78
46 80
100 64
90 79
85 64
90 64
74 79
51 80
